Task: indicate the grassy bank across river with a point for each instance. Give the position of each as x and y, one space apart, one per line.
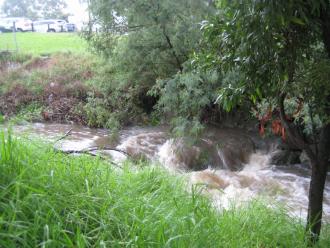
56 88
50 199
43 43
65 87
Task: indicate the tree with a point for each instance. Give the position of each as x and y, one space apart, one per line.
166 26
52 8
34 8
281 49
144 41
20 8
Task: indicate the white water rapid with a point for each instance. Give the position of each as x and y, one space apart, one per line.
224 163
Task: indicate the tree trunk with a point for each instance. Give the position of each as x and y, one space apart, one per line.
315 204
319 175
321 164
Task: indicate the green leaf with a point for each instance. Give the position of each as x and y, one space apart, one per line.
297 21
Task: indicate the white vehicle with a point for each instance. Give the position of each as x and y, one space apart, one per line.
50 26
21 24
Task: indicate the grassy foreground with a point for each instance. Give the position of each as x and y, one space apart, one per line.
53 200
43 43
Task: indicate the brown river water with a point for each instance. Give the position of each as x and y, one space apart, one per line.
231 166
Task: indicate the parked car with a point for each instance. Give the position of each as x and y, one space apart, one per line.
71 27
21 24
50 26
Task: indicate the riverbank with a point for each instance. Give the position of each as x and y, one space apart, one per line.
64 88
45 88
55 200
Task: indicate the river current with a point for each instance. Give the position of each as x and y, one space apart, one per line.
229 165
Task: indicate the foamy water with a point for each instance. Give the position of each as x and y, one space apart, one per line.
257 177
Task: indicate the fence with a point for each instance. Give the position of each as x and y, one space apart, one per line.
5 44
10 44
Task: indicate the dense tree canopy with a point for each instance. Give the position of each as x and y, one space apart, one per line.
145 42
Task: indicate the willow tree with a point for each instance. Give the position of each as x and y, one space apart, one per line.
154 36
143 41
281 48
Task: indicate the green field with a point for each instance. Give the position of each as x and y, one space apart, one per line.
43 43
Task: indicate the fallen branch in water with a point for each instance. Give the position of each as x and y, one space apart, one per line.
106 148
64 136
88 152
96 148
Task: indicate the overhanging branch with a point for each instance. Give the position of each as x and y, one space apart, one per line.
168 40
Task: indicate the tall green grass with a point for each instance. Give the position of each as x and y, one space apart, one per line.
48 199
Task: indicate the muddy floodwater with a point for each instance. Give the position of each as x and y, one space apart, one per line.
230 165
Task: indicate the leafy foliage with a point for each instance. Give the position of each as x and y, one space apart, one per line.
275 46
146 42
185 99
282 50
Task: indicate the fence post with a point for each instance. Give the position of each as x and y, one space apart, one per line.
14 33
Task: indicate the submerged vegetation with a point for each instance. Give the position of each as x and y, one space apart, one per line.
53 200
